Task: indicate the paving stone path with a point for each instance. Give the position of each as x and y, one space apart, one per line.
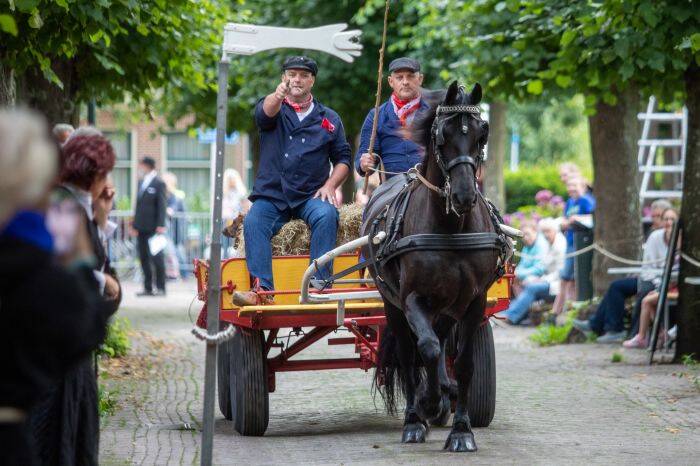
560 405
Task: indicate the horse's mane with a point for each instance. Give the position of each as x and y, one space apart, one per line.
419 131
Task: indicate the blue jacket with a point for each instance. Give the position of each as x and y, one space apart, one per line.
581 206
397 153
532 262
296 156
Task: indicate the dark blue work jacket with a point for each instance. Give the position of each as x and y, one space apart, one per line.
296 156
397 153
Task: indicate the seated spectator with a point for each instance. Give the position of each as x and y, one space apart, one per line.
578 208
548 284
658 207
649 302
608 320
535 246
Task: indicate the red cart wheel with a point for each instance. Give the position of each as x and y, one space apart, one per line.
250 404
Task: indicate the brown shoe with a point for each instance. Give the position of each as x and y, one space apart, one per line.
245 298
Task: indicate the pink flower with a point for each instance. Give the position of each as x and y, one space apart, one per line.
543 196
556 201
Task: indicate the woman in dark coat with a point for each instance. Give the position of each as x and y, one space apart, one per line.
66 424
51 312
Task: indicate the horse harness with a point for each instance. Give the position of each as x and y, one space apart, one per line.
394 210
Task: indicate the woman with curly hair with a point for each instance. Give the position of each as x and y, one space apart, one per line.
66 424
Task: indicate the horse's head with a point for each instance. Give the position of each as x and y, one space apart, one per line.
458 136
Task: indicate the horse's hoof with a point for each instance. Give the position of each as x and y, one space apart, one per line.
413 433
445 410
460 441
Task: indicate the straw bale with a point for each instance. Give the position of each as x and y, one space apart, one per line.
294 238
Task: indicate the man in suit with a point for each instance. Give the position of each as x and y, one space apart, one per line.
149 220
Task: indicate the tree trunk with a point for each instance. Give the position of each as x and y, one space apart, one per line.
494 186
614 132
58 104
7 86
689 297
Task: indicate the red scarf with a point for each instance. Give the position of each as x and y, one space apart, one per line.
404 108
302 107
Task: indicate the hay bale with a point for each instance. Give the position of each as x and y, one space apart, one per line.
294 238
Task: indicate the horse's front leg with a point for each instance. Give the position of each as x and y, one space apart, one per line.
461 437
429 402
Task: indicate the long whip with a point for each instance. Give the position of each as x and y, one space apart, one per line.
378 96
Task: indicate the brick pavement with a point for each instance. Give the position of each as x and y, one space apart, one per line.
564 404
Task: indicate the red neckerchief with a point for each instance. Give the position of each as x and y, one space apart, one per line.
302 107
404 108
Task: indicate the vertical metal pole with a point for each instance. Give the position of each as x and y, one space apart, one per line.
214 284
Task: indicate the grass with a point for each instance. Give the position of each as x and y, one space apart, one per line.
107 401
616 357
692 364
549 335
117 343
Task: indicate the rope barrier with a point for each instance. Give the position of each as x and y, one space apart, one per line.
690 259
610 255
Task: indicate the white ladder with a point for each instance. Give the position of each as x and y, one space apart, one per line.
646 155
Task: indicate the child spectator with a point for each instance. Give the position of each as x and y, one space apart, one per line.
531 265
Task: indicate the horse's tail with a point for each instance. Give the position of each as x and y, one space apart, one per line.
389 372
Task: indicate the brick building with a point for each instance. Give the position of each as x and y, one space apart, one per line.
188 154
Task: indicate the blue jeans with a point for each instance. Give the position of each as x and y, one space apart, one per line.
519 307
264 220
609 317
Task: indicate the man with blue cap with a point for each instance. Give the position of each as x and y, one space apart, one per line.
301 142
397 153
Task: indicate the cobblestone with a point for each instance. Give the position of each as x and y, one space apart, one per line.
564 404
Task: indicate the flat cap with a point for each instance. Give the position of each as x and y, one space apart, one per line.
404 63
300 63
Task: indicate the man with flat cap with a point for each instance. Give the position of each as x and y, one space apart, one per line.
397 153
301 142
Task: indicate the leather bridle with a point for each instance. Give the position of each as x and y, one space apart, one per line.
443 113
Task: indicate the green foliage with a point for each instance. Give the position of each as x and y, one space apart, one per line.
522 185
198 202
104 49
689 360
616 357
117 343
550 335
551 131
123 203
107 402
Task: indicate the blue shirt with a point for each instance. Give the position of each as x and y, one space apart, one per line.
581 206
296 156
29 226
397 153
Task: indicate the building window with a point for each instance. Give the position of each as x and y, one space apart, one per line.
121 141
190 160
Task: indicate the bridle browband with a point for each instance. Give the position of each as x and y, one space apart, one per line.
437 139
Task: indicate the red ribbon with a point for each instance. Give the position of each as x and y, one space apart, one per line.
327 125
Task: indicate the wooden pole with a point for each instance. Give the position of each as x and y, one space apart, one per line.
378 95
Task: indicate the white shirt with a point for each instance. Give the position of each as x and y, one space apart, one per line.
303 115
655 249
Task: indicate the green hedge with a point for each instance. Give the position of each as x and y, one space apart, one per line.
522 185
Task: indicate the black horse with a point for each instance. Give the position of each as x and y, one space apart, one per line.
442 252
